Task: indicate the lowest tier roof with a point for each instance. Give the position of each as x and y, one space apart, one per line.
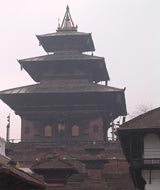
63 96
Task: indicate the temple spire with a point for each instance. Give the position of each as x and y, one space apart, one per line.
67 23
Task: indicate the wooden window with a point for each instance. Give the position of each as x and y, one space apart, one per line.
61 128
48 131
75 131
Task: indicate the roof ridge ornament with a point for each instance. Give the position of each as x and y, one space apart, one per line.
67 23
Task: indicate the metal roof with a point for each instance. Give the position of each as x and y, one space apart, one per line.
65 33
67 40
63 56
39 67
62 87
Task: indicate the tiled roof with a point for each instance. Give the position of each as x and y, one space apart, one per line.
10 171
52 164
150 119
20 176
4 159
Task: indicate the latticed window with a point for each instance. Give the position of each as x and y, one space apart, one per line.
75 131
48 131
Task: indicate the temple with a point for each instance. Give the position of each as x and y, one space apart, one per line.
67 113
67 103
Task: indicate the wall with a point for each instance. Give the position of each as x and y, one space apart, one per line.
89 130
151 146
2 146
154 184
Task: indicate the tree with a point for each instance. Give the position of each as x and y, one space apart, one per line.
140 109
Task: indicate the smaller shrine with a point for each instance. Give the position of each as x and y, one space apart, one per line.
54 170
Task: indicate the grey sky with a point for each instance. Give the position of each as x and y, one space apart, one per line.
125 32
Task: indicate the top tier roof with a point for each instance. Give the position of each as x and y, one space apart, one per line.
67 37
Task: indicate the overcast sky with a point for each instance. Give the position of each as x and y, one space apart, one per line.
125 32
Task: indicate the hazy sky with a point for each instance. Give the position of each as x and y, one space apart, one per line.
125 32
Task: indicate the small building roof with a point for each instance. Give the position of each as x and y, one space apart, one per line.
148 120
22 176
4 159
17 177
54 164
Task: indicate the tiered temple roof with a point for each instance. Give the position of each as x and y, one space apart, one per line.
68 71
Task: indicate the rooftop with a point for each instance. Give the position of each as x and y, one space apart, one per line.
19 176
53 164
67 37
63 56
61 87
148 120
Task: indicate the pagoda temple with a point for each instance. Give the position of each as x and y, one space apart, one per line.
67 113
67 104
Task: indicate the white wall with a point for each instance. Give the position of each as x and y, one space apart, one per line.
151 146
155 179
2 146
152 150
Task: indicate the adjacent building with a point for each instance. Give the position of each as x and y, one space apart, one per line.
140 139
15 179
